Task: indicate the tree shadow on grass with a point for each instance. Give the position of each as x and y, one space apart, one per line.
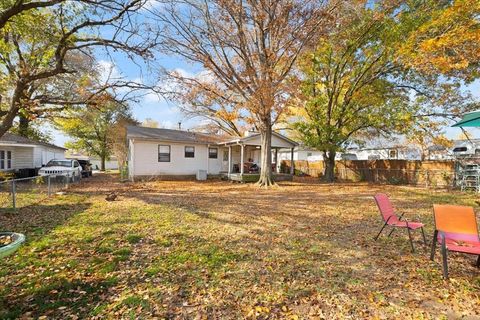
39 219
57 299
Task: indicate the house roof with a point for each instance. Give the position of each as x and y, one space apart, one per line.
170 135
13 139
190 136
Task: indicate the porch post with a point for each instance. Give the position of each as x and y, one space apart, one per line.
242 152
292 164
229 159
276 160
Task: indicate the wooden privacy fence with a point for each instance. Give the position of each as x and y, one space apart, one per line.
428 173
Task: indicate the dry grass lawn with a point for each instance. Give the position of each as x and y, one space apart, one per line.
217 250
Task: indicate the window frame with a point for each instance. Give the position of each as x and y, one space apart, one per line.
169 152
392 154
210 154
8 159
191 154
3 159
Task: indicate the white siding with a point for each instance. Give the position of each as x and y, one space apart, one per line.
144 159
131 158
109 164
43 154
23 157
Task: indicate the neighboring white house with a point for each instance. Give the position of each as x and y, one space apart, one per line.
20 154
300 153
385 153
110 164
167 152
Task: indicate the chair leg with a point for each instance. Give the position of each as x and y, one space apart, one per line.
445 263
378 235
424 238
434 244
411 240
390 233
478 261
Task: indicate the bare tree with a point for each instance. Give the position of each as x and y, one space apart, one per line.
248 48
32 57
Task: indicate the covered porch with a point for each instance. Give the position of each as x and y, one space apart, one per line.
244 157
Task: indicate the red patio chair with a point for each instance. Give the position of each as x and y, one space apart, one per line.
456 230
391 219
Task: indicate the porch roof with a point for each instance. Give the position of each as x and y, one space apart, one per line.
13 140
254 139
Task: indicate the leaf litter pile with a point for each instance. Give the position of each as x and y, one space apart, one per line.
195 250
5 240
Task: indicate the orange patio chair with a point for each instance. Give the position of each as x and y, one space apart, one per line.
456 230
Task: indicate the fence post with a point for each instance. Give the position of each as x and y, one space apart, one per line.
49 186
67 178
14 200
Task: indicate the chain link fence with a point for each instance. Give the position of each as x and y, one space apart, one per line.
17 193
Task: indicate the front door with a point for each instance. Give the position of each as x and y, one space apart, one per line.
225 160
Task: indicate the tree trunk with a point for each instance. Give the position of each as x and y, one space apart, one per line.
23 124
265 179
7 118
329 163
102 163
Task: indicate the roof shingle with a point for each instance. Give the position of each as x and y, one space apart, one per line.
170 135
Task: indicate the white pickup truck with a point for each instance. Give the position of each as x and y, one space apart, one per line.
62 167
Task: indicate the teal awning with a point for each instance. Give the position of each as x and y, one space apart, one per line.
471 119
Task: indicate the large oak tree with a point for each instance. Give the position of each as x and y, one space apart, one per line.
248 49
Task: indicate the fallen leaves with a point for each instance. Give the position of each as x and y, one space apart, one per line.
217 250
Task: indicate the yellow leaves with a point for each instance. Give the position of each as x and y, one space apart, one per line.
448 42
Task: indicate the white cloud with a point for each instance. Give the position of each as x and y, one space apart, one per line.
108 71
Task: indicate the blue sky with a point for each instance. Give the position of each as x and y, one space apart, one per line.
166 113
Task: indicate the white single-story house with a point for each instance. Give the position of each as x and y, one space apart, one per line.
168 153
25 156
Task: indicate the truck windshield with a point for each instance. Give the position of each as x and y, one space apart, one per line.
59 163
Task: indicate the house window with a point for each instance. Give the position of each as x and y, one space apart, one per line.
392 154
163 153
309 154
189 152
225 155
2 159
9 159
213 153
